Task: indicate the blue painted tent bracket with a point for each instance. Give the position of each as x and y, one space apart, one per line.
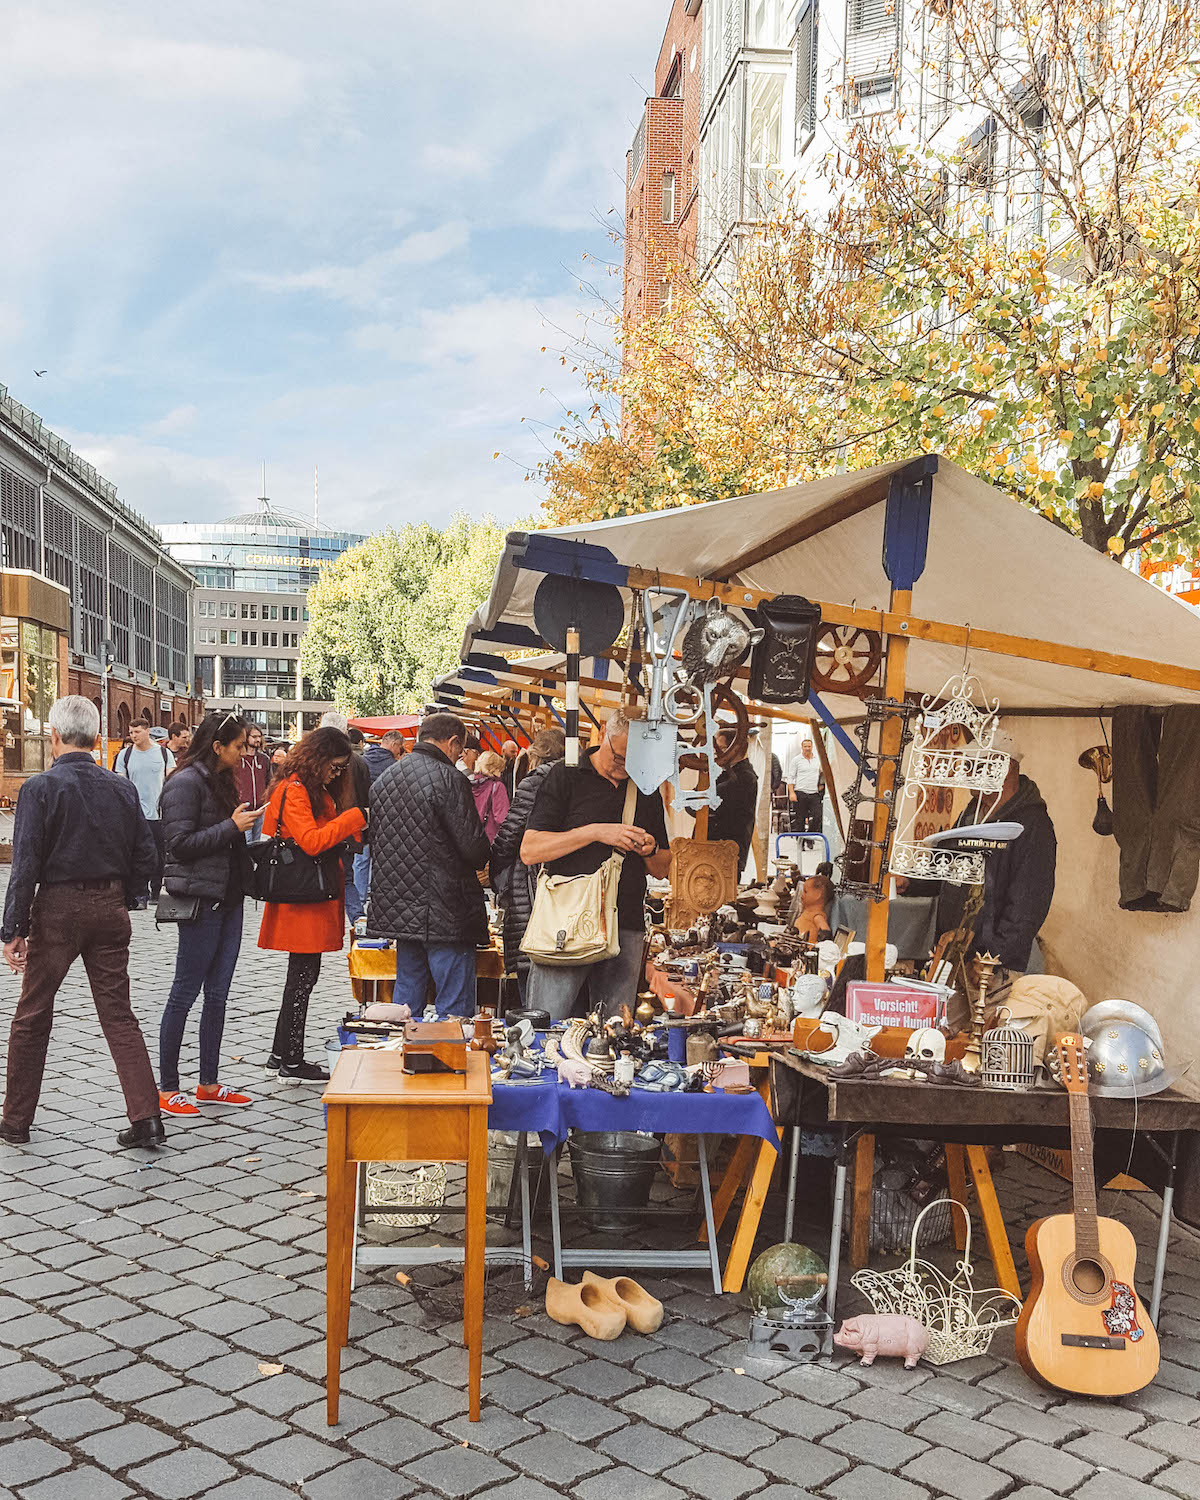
906 522
570 559
836 730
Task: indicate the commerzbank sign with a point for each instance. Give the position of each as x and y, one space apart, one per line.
260 559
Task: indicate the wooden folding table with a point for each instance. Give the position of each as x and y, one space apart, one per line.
377 1112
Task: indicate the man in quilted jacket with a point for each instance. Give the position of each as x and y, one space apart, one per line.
426 844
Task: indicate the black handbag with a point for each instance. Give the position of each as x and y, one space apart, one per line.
176 908
284 873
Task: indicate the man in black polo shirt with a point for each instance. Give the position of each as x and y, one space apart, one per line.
574 827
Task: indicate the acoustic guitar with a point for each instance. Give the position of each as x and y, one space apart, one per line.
1083 1328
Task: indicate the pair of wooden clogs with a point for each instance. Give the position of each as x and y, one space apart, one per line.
602 1306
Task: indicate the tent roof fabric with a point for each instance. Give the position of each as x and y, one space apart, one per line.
992 564
406 722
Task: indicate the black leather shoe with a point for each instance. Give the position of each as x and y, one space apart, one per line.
143 1133
15 1135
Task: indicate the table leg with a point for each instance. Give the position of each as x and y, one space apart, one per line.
752 1207
555 1226
789 1217
835 1243
993 1220
473 1268
339 1219
522 1166
864 1179
956 1174
1164 1231
706 1195
739 1164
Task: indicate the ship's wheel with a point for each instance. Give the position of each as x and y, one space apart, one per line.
846 659
723 697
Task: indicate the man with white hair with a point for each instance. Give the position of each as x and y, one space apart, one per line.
576 823
334 720
82 853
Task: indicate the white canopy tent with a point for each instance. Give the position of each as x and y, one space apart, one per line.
993 568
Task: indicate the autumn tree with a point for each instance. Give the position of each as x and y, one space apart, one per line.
1023 297
387 617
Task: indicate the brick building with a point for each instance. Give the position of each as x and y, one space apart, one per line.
661 169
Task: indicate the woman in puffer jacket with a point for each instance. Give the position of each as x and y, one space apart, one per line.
204 830
514 882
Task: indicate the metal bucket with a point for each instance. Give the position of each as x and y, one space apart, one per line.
613 1169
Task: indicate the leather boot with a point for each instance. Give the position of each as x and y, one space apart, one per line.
586 1305
143 1133
643 1312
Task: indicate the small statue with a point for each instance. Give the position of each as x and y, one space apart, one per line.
883 1333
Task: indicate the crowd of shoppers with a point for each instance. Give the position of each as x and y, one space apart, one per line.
413 828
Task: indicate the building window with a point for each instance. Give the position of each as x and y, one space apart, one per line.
18 520
673 88
765 176
804 55
29 677
872 55
668 198
768 22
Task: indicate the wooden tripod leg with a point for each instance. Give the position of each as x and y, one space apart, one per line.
739 1164
860 1222
752 1207
993 1221
956 1172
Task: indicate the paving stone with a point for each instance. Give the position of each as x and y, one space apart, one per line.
294 1458
1028 1422
541 1356
1180 1479
577 1416
146 1328
394 1441
1109 1486
250 1487
374 1379
599 1378
1049 1467
431 1403
517 1390
179 1475
20 1381
646 1448
30 1458
621 1483
1103 1450
892 1409
235 1431
83 1480
1172 1439
458 1471
496 1429
726 1432
738 1392
801 1462
188 1403
800 1418
231 1372
68 1420
554 1457
975 1439
667 1408
952 1473
70 1348
360 1479
866 1483
131 1443
670 1366
715 1477
135 1382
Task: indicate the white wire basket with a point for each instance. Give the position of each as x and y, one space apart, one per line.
401 1184
959 1320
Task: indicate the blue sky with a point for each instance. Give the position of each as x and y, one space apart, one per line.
310 234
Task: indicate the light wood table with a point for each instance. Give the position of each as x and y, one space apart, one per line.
373 971
377 1112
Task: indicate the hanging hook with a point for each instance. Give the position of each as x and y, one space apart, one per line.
966 662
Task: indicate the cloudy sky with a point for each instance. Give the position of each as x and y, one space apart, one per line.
309 234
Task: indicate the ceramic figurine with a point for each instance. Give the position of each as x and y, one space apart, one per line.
883 1333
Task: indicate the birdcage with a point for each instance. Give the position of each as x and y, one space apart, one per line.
1007 1056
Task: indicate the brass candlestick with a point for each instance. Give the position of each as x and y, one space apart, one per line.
973 1057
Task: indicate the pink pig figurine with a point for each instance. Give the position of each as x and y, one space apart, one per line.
883 1333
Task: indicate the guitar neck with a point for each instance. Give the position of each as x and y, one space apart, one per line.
1083 1177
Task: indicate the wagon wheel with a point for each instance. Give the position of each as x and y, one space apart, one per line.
846 659
723 696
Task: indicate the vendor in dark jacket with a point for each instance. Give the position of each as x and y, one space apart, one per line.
426 844
204 829
737 787
513 881
1018 879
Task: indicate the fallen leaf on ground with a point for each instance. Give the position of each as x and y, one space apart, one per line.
252 1158
738 1370
270 1369
523 1312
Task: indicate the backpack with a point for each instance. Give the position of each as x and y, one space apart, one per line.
128 751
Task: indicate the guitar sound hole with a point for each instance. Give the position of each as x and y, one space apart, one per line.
1088 1277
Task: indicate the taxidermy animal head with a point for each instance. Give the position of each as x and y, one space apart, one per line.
715 642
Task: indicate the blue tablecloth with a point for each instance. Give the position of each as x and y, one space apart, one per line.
551 1109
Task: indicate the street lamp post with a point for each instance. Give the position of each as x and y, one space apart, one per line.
105 656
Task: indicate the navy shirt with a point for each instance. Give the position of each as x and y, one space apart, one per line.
75 821
574 795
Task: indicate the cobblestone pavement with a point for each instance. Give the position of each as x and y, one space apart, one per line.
145 1299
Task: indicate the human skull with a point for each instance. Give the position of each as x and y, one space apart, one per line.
926 1045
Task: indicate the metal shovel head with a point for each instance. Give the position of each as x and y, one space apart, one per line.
650 753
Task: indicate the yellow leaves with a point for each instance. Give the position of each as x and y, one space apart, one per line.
939 412
1158 487
1115 545
1031 464
1064 436
1157 409
1095 490
1085 399
1158 368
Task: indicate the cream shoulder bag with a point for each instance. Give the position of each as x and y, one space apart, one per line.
574 919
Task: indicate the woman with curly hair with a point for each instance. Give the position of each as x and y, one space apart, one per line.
310 801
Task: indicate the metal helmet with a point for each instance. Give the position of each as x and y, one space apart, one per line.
1124 1061
1098 1016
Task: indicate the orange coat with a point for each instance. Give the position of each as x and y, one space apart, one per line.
321 927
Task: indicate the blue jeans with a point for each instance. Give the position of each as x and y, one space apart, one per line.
353 901
613 981
452 968
207 957
362 876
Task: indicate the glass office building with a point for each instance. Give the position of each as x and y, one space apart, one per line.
252 573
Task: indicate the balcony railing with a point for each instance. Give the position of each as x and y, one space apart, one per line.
637 152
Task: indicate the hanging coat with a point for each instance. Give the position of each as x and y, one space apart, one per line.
321 926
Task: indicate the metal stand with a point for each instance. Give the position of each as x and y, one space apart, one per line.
402 1254
789 1217
835 1241
664 1260
1164 1223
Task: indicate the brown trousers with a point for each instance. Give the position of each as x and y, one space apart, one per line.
84 919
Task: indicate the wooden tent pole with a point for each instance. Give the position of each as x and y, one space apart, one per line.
827 772
890 735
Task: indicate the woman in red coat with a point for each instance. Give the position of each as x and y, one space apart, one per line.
318 814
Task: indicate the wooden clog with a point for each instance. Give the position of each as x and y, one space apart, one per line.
599 1315
643 1312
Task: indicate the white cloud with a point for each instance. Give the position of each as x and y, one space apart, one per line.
366 282
176 420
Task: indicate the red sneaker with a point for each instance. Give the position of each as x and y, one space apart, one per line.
218 1093
176 1104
